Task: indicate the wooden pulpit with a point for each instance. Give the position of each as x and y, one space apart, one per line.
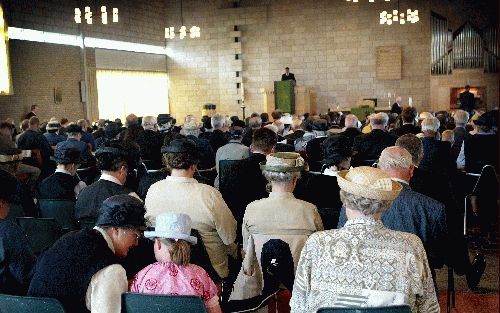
284 96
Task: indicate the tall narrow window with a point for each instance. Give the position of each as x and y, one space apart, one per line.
123 92
5 84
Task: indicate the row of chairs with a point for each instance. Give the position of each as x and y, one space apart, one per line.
144 303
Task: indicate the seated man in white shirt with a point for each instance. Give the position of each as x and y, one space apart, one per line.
82 269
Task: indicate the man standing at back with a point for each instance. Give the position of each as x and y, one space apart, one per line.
467 100
287 75
34 110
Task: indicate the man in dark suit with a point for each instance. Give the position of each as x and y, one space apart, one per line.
150 140
437 153
467 100
368 147
396 106
288 75
74 133
408 118
461 118
33 139
438 187
34 109
351 130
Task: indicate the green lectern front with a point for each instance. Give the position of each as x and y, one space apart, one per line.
284 96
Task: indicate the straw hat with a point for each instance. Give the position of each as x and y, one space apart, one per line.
368 182
11 155
283 162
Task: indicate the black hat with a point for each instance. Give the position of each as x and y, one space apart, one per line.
122 211
336 149
111 130
488 119
9 186
116 150
73 129
11 155
66 154
182 145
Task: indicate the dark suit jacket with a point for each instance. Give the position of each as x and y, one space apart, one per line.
415 213
467 101
370 146
460 135
217 139
351 133
150 143
480 150
29 115
437 156
405 129
395 108
289 77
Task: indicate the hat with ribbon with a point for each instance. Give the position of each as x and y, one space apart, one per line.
122 211
283 162
11 155
66 154
182 145
368 182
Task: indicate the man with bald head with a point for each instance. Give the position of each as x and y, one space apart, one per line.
367 147
411 211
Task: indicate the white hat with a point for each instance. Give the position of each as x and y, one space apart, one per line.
172 226
286 119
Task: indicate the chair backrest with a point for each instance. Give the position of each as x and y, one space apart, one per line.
487 183
62 210
387 309
145 303
16 210
18 304
41 232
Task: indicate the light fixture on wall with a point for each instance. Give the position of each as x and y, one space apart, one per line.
194 31
399 17
88 15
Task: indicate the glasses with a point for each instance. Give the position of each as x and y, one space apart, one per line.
138 234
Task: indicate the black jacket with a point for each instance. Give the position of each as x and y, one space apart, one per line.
370 146
289 77
405 129
58 186
91 197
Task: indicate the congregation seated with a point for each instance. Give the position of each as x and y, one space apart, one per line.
367 147
472 155
191 129
460 132
16 257
10 162
111 132
112 162
64 184
150 141
74 141
437 154
181 193
132 129
408 118
343 265
33 139
233 150
52 134
86 135
254 123
82 269
217 137
173 273
351 130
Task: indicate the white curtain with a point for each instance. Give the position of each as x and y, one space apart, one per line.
123 92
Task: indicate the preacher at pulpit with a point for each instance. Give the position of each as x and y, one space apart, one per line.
288 75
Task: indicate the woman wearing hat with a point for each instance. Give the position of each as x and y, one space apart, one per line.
172 273
364 264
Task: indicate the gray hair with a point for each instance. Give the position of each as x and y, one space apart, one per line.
430 124
351 120
280 177
364 205
380 118
255 122
461 117
192 132
148 122
413 145
218 121
395 158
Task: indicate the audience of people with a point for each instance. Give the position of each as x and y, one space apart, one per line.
265 201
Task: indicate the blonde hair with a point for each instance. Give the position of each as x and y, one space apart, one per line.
179 250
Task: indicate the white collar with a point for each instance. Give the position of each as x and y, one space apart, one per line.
330 172
400 180
106 237
110 178
60 170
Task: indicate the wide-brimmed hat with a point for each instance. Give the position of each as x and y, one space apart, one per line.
66 154
283 162
172 226
53 126
182 145
286 119
368 182
336 148
122 211
11 155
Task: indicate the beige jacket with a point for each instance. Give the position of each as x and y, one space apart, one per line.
208 211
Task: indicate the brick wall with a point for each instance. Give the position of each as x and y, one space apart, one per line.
36 69
329 45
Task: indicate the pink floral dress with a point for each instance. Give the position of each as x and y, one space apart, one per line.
167 278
